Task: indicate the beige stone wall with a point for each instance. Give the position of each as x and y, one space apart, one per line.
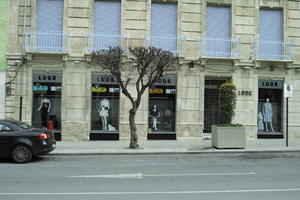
136 21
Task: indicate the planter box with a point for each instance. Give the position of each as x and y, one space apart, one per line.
228 137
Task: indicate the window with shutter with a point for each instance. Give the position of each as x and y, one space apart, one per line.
107 24
218 31
164 26
271 34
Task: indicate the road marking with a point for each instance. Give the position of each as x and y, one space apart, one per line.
140 175
202 174
158 192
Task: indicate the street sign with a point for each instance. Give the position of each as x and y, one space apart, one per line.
288 91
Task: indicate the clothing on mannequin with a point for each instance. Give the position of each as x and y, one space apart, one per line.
154 114
45 109
103 112
267 115
260 122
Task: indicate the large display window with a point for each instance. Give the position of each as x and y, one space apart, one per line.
162 109
46 108
269 119
105 108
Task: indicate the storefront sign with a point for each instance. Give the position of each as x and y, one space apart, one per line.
271 84
99 89
47 77
166 81
156 91
40 88
104 79
245 92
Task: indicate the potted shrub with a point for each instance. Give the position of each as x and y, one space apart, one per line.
228 135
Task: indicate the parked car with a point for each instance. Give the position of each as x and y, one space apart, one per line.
21 141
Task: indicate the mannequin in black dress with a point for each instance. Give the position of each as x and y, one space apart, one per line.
45 109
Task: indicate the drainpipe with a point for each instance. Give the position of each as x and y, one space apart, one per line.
22 60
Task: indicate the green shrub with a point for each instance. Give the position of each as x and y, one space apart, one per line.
227 101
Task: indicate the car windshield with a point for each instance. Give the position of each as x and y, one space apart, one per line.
22 125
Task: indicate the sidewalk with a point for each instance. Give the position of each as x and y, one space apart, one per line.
170 147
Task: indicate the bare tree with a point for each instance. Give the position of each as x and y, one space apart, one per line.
142 68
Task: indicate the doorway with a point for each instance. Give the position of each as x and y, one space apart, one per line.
212 112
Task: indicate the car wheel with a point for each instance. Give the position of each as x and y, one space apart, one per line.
21 154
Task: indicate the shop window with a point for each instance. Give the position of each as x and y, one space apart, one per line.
269 119
162 109
46 106
105 108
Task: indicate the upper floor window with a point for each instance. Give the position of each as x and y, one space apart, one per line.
107 24
164 26
270 44
217 41
49 36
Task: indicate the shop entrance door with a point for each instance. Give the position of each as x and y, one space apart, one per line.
212 113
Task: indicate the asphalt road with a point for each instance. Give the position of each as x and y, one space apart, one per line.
144 177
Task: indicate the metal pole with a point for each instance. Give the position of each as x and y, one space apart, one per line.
287 122
21 102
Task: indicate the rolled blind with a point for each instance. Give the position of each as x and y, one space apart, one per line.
218 31
163 18
270 34
218 22
270 25
50 14
164 26
107 17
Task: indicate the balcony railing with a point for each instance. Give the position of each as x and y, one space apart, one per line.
220 47
273 50
167 42
102 41
47 41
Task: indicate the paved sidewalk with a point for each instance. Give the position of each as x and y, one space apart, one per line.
170 146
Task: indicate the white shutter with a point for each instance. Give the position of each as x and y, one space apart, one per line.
107 24
218 31
50 15
271 34
49 34
164 26
107 17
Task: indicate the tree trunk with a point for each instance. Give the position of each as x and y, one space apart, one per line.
133 135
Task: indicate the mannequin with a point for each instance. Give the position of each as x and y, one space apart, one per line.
103 112
267 115
260 122
155 114
45 109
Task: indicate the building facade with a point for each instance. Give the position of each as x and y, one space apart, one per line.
254 43
3 37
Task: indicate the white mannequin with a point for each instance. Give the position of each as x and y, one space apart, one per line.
267 113
260 122
45 109
155 114
47 101
103 112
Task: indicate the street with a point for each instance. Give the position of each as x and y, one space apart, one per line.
227 176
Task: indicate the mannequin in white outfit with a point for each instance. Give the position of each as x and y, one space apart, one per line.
103 112
267 113
260 122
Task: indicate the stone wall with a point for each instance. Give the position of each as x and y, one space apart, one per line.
136 22
2 94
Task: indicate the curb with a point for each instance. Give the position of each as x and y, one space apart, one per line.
175 152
